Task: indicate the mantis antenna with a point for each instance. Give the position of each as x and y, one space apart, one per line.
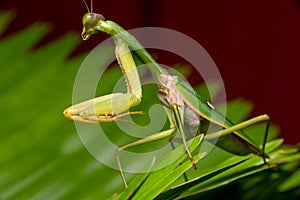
87 7
92 6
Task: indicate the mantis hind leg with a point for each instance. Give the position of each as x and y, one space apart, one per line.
265 141
239 144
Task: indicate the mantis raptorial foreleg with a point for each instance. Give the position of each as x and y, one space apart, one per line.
111 107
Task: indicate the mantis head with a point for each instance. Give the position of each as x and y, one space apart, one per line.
90 22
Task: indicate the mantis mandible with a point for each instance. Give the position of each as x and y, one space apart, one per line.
182 106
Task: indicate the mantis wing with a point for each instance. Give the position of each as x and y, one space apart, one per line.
237 142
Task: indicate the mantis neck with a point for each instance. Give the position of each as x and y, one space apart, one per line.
132 42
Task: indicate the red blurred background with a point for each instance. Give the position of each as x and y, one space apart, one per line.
255 44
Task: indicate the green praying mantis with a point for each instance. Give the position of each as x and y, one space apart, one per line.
182 106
